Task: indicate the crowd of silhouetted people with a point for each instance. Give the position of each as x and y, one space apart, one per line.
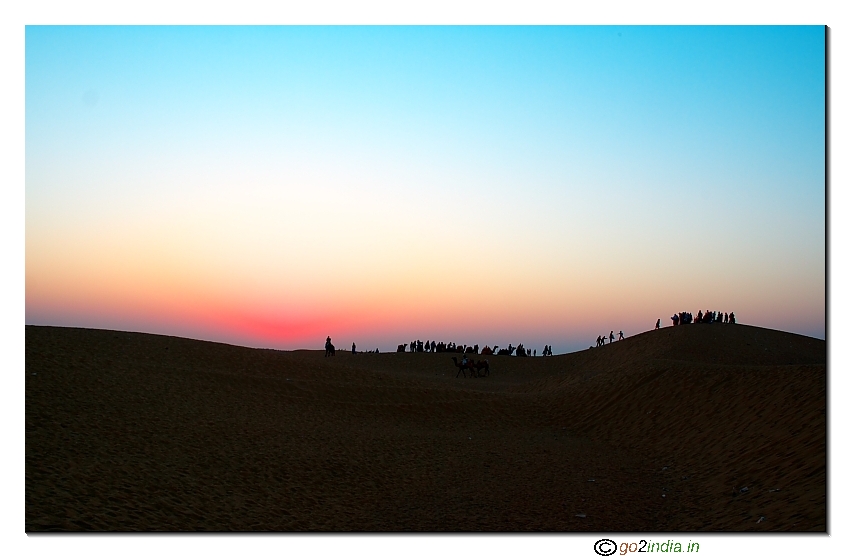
431 346
418 346
684 317
702 318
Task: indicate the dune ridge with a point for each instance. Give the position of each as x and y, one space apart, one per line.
690 428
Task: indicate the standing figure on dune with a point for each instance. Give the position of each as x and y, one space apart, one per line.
611 338
353 349
621 336
658 324
329 348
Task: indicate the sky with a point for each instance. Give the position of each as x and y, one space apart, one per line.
271 186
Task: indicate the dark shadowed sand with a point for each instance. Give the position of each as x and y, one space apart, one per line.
693 428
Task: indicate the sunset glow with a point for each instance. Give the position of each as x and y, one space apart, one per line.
271 186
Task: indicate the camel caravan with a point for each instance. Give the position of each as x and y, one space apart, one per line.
477 369
417 346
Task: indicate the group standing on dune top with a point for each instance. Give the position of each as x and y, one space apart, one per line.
702 318
678 318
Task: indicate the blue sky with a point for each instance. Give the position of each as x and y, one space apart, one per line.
306 175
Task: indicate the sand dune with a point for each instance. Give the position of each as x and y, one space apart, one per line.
692 428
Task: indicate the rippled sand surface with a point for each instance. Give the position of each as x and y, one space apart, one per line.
692 428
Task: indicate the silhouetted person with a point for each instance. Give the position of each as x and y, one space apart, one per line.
731 318
658 324
611 338
725 318
353 349
329 347
621 336
675 319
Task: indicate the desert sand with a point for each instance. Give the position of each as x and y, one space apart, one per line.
690 428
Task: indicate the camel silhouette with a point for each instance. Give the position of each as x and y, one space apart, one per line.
470 365
482 368
401 348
